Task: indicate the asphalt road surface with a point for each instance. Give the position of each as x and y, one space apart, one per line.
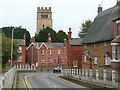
51 81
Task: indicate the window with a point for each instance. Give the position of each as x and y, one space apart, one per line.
42 61
20 50
42 52
44 16
113 52
107 60
85 45
118 52
105 43
50 61
55 60
74 63
19 59
119 28
85 58
94 45
58 51
50 52
95 60
62 59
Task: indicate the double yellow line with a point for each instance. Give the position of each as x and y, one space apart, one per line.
27 82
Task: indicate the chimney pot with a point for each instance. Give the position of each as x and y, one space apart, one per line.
99 9
69 34
33 40
65 41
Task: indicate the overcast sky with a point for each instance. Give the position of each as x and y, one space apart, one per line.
65 13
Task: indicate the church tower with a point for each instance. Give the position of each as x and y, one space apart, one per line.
44 18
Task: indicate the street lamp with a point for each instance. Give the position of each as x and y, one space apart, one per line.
12 43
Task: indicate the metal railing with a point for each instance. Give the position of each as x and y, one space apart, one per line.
104 77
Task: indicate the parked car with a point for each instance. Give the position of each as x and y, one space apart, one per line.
57 70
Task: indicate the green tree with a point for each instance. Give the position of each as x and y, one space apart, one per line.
84 28
56 37
18 33
6 49
43 35
61 35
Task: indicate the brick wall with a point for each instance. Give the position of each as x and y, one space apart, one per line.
98 50
74 53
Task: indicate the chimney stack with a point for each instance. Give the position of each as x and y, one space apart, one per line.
24 36
69 34
33 40
99 9
49 38
65 41
118 1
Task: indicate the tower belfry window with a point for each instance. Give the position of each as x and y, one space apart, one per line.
44 16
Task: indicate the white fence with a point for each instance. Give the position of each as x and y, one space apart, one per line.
7 80
105 77
26 67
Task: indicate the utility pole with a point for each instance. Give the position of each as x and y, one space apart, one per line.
0 52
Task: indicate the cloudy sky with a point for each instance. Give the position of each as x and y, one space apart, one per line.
66 13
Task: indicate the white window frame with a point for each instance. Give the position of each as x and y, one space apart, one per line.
50 52
19 49
19 59
118 52
95 60
55 60
107 60
42 61
58 51
50 61
113 52
75 64
105 43
42 52
85 58
62 59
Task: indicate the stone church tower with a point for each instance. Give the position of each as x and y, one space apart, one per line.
44 18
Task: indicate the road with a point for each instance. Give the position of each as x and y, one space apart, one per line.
50 80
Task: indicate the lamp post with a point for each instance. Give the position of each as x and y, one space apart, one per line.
12 43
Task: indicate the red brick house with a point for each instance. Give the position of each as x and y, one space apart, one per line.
47 54
74 52
21 51
116 42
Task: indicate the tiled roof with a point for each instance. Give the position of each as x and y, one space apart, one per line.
102 27
50 45
21 41
75 41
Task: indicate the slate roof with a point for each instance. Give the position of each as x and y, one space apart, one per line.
75 41
50 45
21 41
102 27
